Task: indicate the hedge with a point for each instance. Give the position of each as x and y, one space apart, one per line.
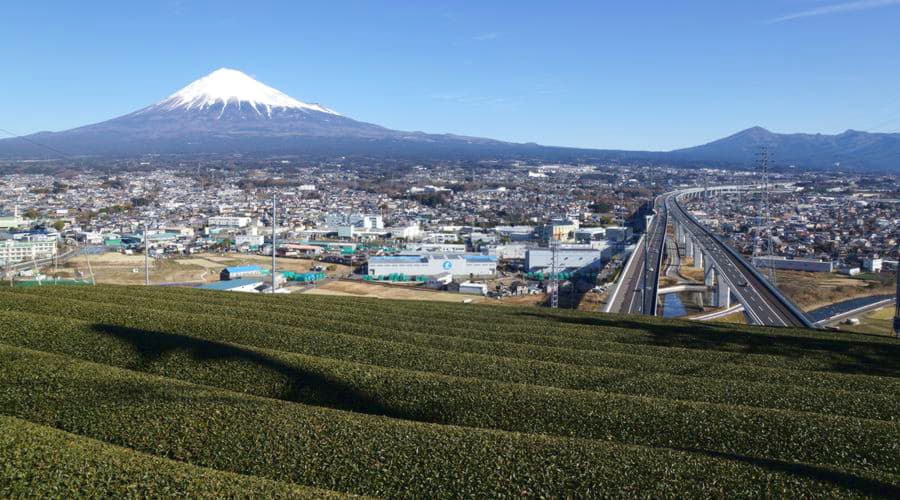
41 462
792 436
367 345
787 352
380 456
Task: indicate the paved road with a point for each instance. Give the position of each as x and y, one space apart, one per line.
845 309
629 297
762 305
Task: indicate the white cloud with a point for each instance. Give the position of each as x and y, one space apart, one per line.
836 9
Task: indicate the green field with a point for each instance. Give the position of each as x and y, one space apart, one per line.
135 391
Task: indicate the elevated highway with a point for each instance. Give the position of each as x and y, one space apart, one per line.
726 272
732 274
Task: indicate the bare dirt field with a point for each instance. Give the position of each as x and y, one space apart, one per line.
813 290
363 289
118 268
689 272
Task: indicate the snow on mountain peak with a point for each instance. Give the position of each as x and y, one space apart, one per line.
232 87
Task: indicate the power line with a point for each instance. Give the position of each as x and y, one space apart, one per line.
17 136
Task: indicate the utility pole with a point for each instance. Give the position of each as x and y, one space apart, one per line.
273 242
897 300
146 258
87 257
554 273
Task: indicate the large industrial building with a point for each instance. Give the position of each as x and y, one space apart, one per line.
808 265
568 258
434 265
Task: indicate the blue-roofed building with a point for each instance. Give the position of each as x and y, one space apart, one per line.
432 265
234 272
251 285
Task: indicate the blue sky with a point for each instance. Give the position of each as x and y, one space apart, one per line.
624 74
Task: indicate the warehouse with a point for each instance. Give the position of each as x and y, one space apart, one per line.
235 272
808 265
568 258
433 265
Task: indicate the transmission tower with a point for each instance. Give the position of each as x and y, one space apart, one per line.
767 244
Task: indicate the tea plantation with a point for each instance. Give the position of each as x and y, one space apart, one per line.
147 392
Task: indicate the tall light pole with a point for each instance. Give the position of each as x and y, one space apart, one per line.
273 243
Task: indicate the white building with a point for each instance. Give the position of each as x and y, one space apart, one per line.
569 258
473 288
227 221
367 221
808 265
409 232
249 239
557 230
508 251
434 265
873 265
29 248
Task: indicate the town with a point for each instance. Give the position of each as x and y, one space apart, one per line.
489 230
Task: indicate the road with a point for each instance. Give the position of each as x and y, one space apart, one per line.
834 313
762 304
629 296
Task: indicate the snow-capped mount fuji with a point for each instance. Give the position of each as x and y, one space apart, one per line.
227 111
225 87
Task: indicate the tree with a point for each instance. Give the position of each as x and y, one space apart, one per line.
59 225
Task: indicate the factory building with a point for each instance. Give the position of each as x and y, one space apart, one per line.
808 265
568 258
433 265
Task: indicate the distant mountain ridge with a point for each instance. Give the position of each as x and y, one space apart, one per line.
851 149
230 112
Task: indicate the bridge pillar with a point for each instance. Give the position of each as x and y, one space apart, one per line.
723 295
698 256
689 247
709 272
